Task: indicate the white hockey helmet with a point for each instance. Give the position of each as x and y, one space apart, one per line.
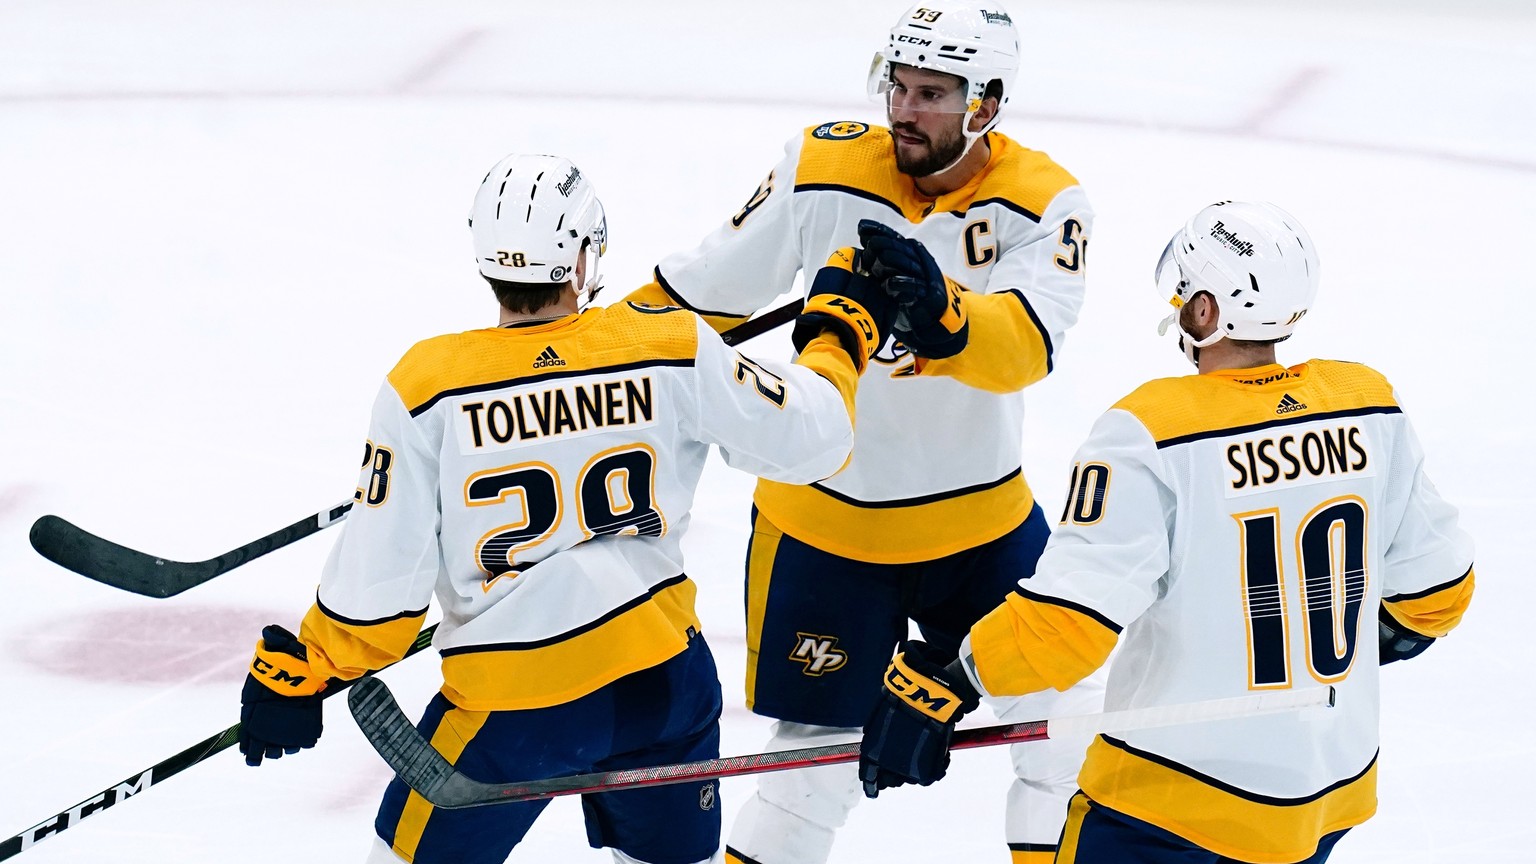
974 41
1254 259
533 218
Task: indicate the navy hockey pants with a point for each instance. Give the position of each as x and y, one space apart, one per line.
667 713
1095 834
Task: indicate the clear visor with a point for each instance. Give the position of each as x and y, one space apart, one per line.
592 252
906 88
1169 276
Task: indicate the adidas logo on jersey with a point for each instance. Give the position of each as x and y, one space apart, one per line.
1289 405
548 357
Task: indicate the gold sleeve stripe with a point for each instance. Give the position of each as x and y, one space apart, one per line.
1008 348
347 648
1436 611
1045 335
1031 642
1220 817
514 676
677 300
454 732
1075 607
826 356
1271 424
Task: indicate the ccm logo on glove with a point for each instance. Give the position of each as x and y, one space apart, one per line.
901 680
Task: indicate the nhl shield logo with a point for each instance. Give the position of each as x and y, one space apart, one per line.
707 796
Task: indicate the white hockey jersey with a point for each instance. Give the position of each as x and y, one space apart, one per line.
1237 531
538 479
937 465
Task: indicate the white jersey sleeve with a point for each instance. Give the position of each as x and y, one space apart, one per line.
750 259
1048 270
1426 548
400 540
770 418
1110 552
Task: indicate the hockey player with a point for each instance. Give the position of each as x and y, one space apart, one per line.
932 520
538 476
1252 527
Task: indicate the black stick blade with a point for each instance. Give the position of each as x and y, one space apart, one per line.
98 558
76 549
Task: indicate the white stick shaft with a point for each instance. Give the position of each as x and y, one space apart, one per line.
1192 712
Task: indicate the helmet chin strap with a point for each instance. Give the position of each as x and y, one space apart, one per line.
1187 343
970 141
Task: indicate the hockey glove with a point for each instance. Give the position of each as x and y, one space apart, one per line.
280 705
930 319
907 737
845 300
1397 641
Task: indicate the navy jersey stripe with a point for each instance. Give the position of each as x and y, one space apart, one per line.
1283 421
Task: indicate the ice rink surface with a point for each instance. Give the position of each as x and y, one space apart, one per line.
221 223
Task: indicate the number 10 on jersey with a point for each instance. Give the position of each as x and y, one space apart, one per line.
1329 555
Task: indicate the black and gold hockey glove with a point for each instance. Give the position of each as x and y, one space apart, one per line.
846 301
930 316
280 709
907 737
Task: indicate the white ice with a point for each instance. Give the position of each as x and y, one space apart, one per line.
221 223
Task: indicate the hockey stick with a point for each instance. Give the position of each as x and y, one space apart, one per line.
156 773
93 557
426 771
77 549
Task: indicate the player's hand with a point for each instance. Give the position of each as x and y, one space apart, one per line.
1398 642
907 737
930 317
280 705
846 300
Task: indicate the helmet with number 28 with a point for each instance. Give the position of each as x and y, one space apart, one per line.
533 218
975 42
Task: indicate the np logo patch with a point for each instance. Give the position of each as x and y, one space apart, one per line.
818 653
845 130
